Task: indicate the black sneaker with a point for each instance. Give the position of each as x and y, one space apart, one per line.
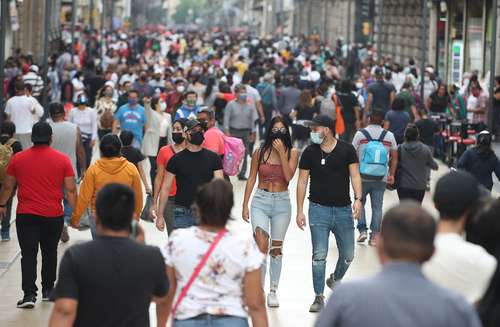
242 178
46 295
28 302
318 304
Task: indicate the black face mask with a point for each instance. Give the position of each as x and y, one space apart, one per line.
278 135
177 138
204 125
197 138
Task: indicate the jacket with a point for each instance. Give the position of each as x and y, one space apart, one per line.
481 164
414 161
106 171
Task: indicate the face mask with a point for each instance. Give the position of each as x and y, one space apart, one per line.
163 106
197 138
243 97
190 102
359 85
316 138
277 134
108 93
83 100
204 124
132 102
427 78
181 89
177 138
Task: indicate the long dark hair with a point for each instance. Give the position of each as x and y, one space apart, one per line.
268 141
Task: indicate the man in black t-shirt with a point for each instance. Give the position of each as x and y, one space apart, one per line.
111 280
191 168
134 156
381 94
330 164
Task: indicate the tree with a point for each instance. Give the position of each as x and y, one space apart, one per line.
188 10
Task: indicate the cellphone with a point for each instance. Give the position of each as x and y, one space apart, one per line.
133 229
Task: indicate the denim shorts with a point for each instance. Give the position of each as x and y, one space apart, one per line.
212 321
271 211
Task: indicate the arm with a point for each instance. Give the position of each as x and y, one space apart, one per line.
144 179
462 161
115 126
64 313
94 127
301 195
392 96
254 298
496 169
431 163
160 174
87 189
260 110
252 177
80 152
137 187
227 115
356 186
393 165
387 124
289 166
357 113
369 102
171 292
165 191
414 111
71 191
219 174
7 189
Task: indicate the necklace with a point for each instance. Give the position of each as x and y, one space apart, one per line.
323 159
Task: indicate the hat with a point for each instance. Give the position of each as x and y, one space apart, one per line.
321 120
207 110
41 132
458 190
190 124
34 68
379 71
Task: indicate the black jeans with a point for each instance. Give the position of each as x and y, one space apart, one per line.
152 171
34 231
409 194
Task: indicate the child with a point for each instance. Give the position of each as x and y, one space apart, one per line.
134 156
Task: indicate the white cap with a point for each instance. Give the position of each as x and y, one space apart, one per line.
34 68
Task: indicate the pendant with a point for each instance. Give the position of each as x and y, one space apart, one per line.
323 161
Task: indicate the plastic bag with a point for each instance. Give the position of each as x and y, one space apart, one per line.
146 211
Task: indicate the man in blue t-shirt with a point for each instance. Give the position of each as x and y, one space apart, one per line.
131 117
189 109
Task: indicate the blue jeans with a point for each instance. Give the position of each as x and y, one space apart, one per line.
68 211
322 221
183 217
376 191
212 321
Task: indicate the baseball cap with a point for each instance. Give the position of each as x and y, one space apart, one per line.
321 120
207 109
379 71
41 132
190 124
56 108
456 192
34 68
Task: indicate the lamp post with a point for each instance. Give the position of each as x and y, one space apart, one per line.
492 126
424 52
3 32
45 69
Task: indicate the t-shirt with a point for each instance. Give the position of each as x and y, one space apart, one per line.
40 185
132 119
191 170
381 95
218 288
113 279
398 120
426 129
329 182
214 141
461 266
20 108
164 155
348 101
439 103
132 155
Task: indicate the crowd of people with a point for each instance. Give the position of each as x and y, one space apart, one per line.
167 113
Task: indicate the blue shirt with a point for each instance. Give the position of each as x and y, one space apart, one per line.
132 119
186 112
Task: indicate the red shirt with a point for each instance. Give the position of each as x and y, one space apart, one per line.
164 155
40 173
214 141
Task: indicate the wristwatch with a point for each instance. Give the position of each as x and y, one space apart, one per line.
358 199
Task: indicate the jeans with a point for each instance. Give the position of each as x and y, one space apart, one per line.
244 135
183 217
376 190
152 171
348 135
68 211
212 321
409 194
322 221
168 214
271 212
34 231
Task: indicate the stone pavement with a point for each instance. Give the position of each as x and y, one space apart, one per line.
295 292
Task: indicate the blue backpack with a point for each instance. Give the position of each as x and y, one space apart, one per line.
374 161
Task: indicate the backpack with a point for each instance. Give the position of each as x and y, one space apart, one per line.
5 156
107 119
339 121
234 153
374 161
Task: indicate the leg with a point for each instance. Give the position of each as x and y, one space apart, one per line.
28 234
259 209
362 218
280 220
377 201
93 228
248 151
51 232
152 171
320 218
229 321
344 236
419 195
5 231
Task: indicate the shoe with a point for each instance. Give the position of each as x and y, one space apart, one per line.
272 300
46 295
64 234
318 304
331 282
5 236
362 237
428 187
373 241
242 178
28 302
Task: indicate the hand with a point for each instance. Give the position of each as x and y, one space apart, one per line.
160 222
279 147
301 220
390 179
356 209
246 214
92 143
262 119
149 191
75 224
358 124
146 100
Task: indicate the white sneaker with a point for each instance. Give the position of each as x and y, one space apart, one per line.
272 300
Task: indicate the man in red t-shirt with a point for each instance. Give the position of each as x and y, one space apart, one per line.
41 174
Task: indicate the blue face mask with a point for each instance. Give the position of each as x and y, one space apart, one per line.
132 102
243 97
316 138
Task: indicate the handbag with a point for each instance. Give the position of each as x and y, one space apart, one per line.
339 121
197 270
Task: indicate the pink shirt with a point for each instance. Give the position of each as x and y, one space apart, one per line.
214 140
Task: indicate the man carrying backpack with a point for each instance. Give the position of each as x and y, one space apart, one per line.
378 154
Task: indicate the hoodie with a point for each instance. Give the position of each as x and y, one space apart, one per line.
414 161
106 171
480 164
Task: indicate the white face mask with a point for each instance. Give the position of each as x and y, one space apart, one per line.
163 106
181 88
359 85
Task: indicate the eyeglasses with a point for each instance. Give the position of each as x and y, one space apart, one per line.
279 130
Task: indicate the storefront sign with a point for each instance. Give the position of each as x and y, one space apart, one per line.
457 61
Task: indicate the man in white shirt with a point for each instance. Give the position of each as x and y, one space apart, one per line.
20 109
457 264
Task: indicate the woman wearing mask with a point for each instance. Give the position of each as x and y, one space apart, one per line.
105 108
274 164
86 120
226 290
151 141
164 155
414 163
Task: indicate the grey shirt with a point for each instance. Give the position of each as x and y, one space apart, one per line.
400 295
240 116
414 161
288 99
64 135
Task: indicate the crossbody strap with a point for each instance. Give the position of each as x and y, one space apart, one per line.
198 269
